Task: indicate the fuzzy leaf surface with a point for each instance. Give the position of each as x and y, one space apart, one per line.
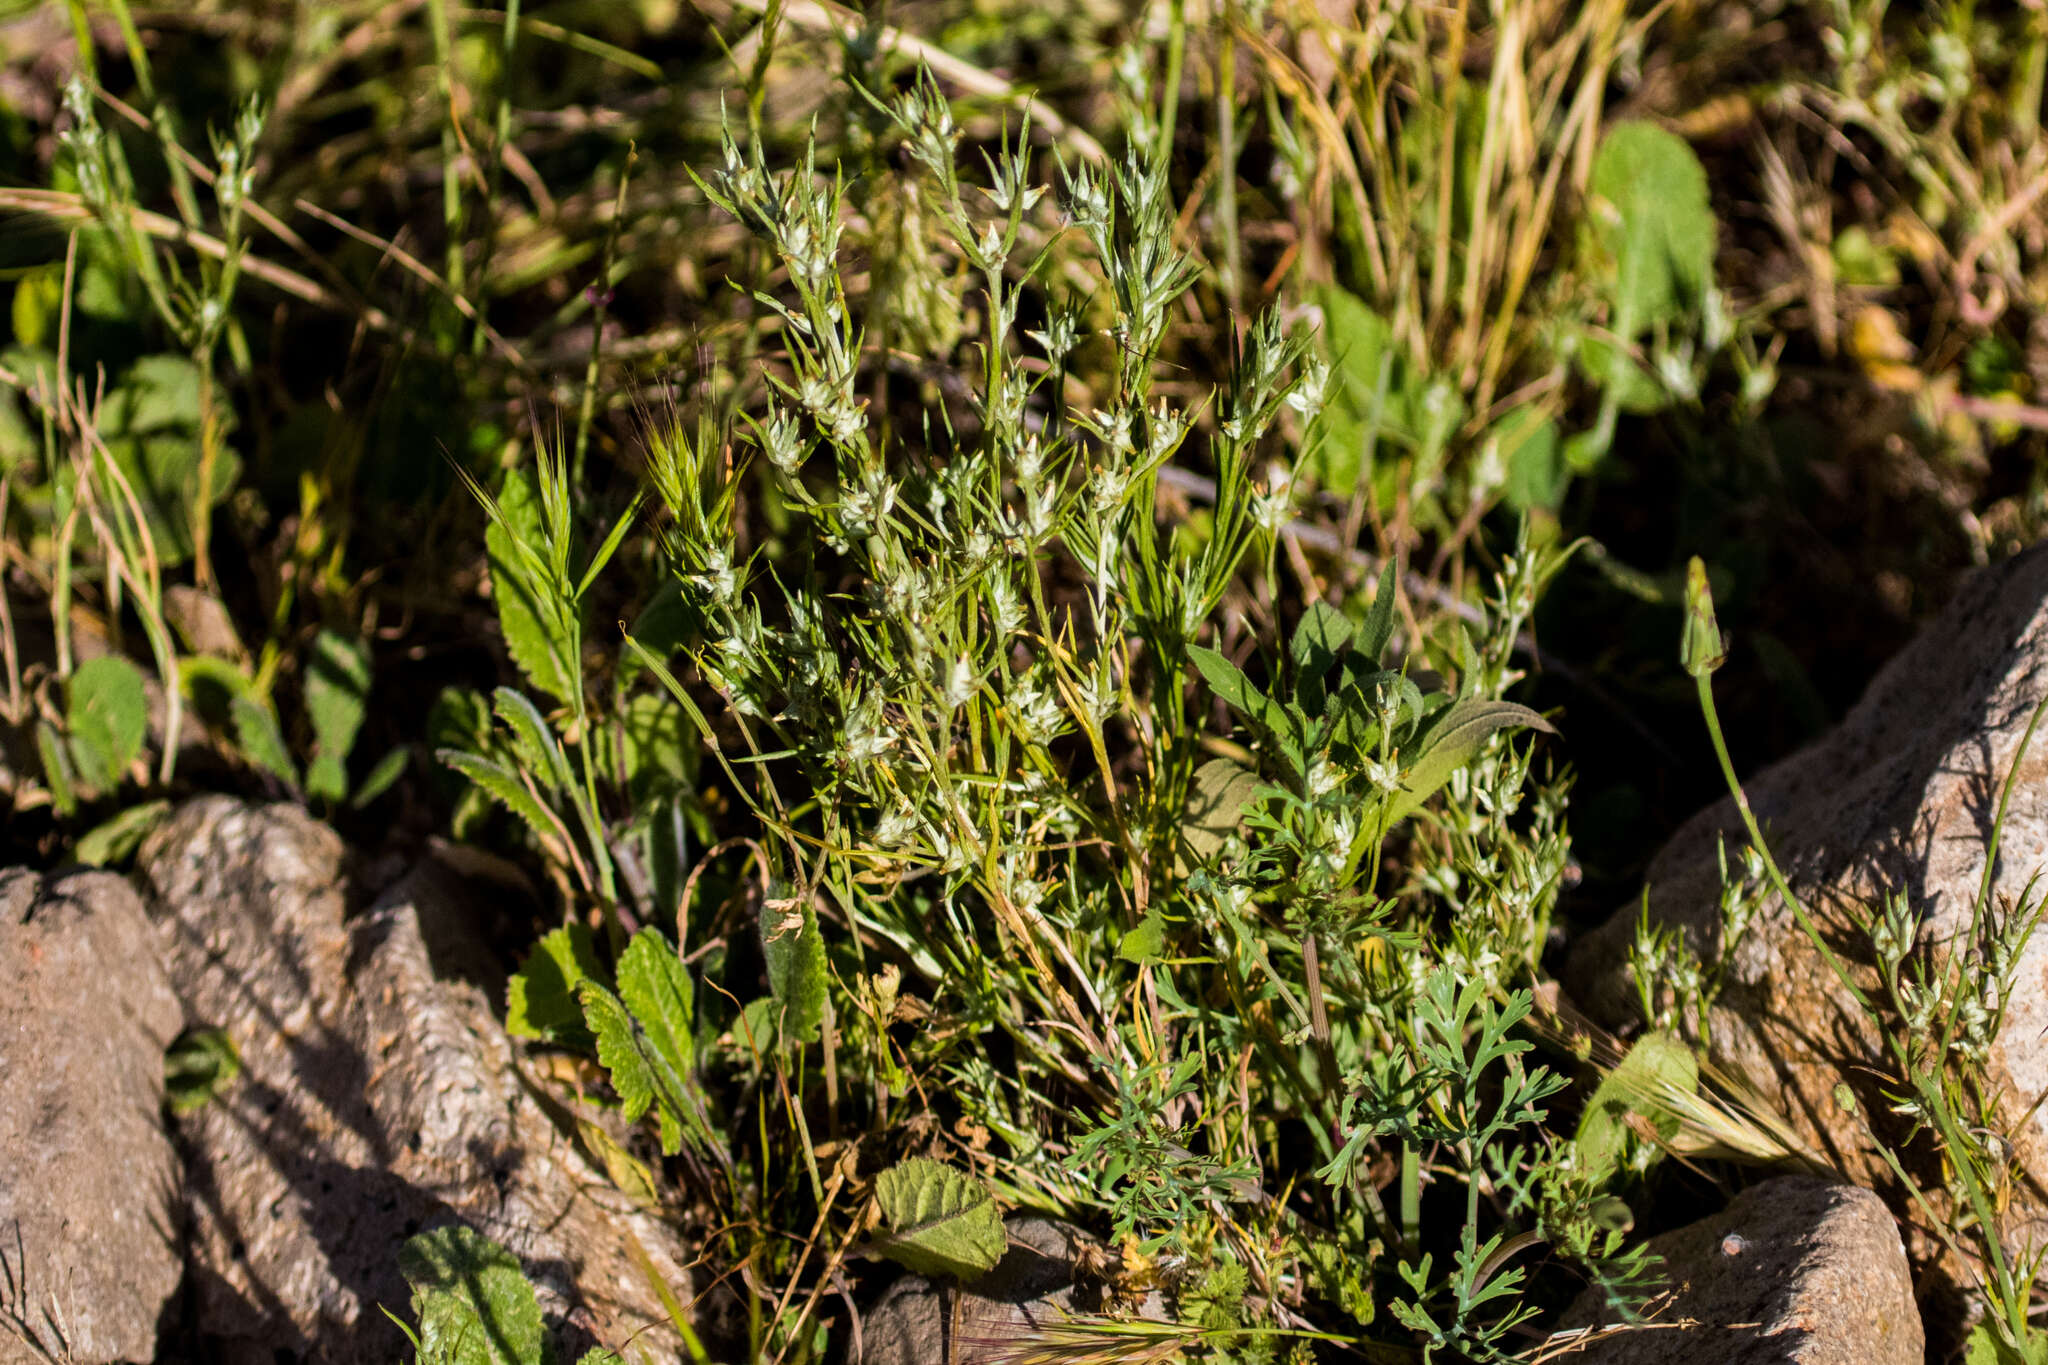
473 1301
941 1222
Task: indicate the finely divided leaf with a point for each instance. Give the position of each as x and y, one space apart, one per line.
472 1299
941 1222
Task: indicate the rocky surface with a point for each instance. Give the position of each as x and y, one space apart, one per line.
89 1186
379 1098
1796 1271
1899 798
1038 1282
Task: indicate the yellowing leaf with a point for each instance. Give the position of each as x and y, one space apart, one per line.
941 1222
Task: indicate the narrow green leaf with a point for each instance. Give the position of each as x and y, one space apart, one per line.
388 770
533 621
1319 639
532 740
1225 678
473 1301
498 783
113 840
1378 626
941 1222
56 768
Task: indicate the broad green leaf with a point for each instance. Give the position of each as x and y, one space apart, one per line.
541 1000
260 741
1319 641
198 1067
1659 1064
660 748
1366 399
1651 225
528 613
796 963
113 840
941 1222
657 988
598 1355
337 698
1217 797
473 1301
1454 740
106 713
1534 458
1146 942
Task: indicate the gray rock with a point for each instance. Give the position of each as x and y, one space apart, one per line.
1796 1271
1039 1282
1899 797
89 1185
379 1097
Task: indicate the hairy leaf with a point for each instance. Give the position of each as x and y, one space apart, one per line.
656 987
1651 225
796 964
623 1058
473 1301
941 1222
106 712
508 791
532 741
